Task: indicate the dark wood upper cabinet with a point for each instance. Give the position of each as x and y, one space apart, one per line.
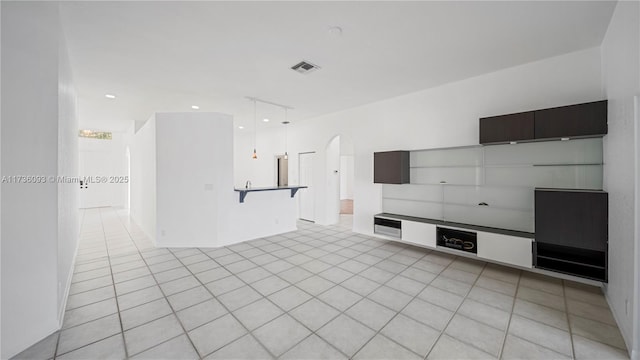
391 167
507 128
582 120
572 218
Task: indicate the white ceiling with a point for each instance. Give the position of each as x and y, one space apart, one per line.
167 56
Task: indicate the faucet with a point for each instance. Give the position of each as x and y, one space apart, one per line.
247 185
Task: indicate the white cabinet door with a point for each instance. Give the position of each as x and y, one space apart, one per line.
419 233
506 249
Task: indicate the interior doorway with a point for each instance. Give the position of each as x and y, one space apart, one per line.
93 166
282 170
333 181
346 184
306 198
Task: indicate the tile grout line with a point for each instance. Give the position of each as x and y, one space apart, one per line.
229 312
511 313
542 323
93 342
442 332
384 284
402 248
343 312
124 344
55 351
513 306
566 308
319 241
399 250
287 312
398 312
291 284
173 312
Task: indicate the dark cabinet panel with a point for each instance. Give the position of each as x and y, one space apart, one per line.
507 128
581 120
572 232
391 167
572 218
573 261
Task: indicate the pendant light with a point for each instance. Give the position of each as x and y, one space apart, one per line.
255 129
285 123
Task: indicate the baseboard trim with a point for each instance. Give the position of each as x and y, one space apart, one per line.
67 289
628 340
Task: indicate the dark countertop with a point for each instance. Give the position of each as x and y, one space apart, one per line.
269 188
523 234
243 192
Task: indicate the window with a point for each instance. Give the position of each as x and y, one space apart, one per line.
102 135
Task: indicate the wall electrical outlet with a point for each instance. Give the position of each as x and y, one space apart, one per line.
626 307
163 233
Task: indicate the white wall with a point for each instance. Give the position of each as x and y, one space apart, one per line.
68 193
182 190
143 178
635 353
346 177
115 164
263 213
439 117
190 155
260 171
621 80
38 111
448 116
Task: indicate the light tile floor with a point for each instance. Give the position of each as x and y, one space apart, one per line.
321 292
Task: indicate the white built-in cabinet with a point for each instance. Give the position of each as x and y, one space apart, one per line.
419 233
505 249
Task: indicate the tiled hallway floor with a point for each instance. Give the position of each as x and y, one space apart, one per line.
319 292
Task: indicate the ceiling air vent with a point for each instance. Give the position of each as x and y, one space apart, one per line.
304 67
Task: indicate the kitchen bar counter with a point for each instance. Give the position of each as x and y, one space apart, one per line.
244 191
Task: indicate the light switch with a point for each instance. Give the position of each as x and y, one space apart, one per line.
208 187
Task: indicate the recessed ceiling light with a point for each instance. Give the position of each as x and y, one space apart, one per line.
195 107
240 127
265 120
110 96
